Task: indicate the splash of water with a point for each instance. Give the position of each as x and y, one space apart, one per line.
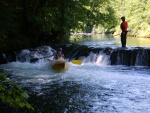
99 58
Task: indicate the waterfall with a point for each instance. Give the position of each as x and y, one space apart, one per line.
143 57
23 56
100 58
133 56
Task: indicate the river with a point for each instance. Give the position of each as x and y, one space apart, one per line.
109 40
93 87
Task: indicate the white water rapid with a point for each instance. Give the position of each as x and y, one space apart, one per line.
90 87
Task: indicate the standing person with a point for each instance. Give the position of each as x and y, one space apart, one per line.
123 26
57 55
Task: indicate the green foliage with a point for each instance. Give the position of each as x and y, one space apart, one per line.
89 13
24 22
11 94
137 13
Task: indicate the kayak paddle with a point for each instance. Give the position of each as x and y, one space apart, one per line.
35 59
78 62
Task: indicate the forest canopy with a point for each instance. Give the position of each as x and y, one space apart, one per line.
27 23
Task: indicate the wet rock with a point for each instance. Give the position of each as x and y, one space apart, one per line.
8 57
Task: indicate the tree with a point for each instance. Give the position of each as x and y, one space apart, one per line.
27 23
136 13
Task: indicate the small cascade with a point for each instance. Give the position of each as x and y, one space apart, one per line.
133 56
99 58
23 56
143 57
103 59
26 55
123 57
40 53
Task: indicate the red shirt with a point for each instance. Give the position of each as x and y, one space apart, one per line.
124 26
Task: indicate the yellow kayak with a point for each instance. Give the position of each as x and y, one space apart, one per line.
60 66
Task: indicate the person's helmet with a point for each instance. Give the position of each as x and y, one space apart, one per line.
59 49
123 18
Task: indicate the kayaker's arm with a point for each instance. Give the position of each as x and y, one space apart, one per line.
48 58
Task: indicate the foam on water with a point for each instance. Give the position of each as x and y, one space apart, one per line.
103 88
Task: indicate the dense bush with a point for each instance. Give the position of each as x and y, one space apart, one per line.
11 94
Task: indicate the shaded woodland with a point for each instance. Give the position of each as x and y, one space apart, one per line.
30 23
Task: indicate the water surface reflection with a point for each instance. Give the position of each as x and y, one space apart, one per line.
109 40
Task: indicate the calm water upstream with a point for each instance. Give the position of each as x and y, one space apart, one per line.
109 41
88 88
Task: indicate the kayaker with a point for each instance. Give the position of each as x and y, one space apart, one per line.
123 26
57 54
